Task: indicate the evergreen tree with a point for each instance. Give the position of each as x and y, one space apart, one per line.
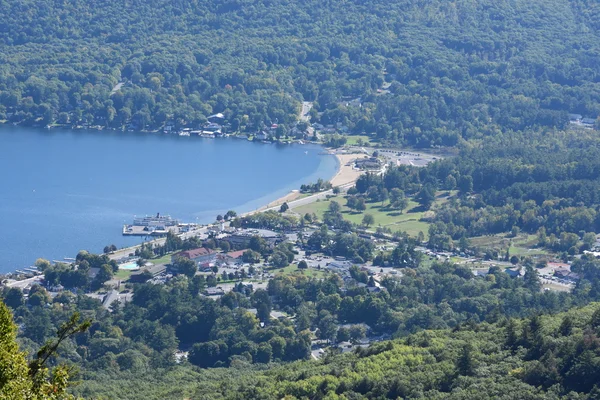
566 326
465 365
512 339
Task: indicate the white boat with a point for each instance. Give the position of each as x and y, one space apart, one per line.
158 220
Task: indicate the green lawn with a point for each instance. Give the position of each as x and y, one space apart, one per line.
353 139
123 274
318 207
166 259
408 221
521 245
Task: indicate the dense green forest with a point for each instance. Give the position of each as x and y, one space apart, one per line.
545 183
138 339
454 70
495 79
540 357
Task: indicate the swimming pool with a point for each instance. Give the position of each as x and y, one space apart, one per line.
130 266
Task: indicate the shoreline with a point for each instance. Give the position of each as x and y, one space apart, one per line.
291 196
344 176
346 173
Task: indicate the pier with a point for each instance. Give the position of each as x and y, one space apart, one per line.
140 230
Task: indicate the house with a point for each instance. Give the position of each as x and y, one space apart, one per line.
575 118
278 315
53 288
232 257
566 274
298 134
214 291
481 272
217 118
514 273
345 347
261 136
366 236
201 255
562 272
212 127
589 122
205 268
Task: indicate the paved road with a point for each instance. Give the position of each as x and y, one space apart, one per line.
25 282
306 107
311 199
122 253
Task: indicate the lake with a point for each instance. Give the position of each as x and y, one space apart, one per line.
64 191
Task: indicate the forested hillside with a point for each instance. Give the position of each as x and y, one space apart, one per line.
547 357
540 183
128 350
455 69
446 318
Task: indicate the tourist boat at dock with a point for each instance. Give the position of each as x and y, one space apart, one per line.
154 221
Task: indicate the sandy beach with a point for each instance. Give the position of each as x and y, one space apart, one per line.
293 195
346 174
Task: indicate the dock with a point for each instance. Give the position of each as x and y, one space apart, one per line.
156 226
140 230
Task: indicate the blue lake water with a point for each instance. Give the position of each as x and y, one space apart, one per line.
63 191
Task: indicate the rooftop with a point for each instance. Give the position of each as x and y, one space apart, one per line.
236 254
195 253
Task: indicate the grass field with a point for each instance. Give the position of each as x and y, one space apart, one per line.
123 274
353 139
166 259
408 221
521 245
